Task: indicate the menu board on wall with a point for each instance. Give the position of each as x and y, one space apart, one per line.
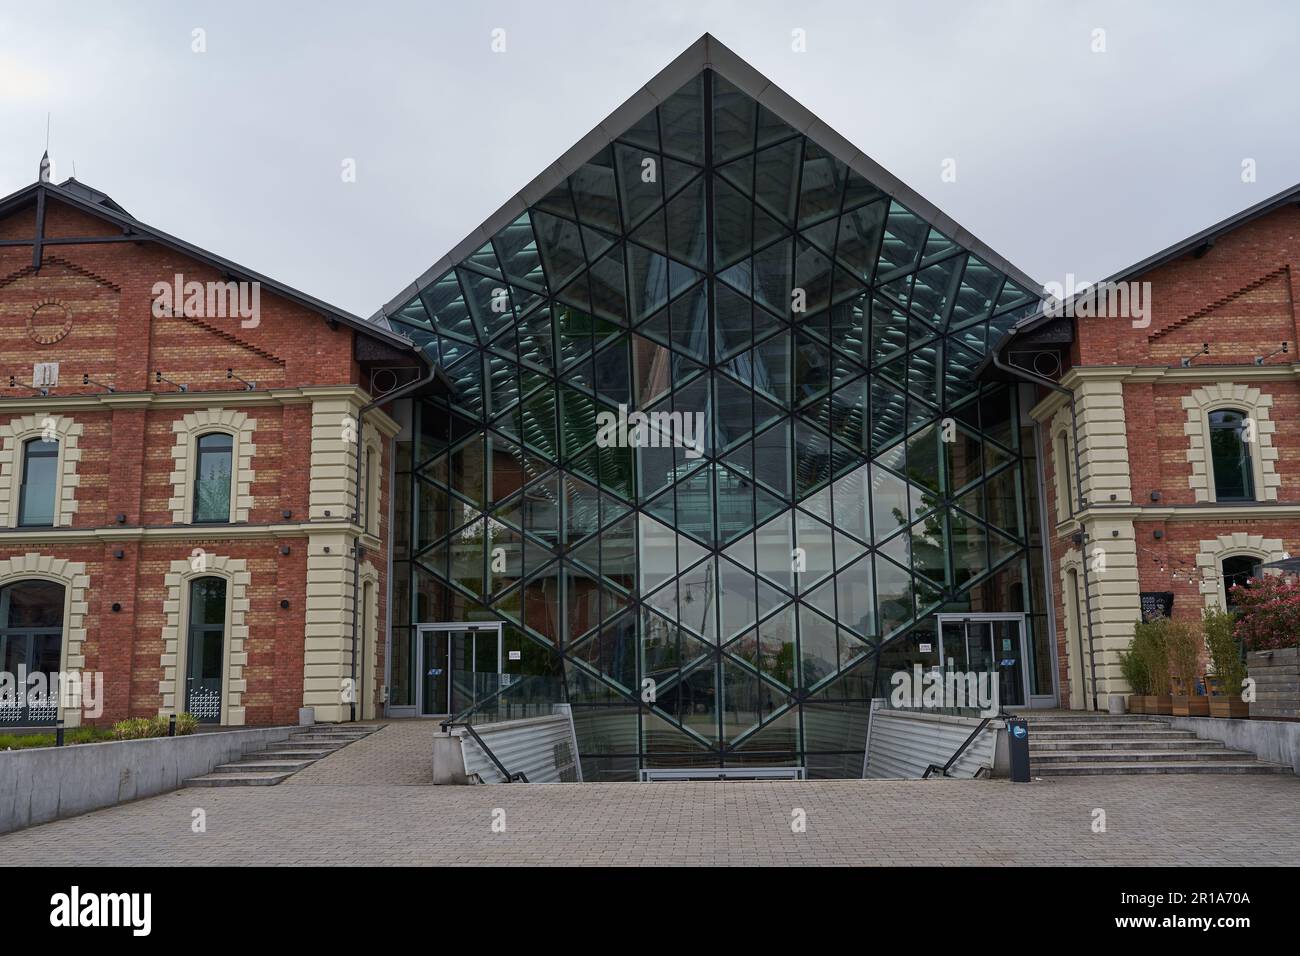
1157 604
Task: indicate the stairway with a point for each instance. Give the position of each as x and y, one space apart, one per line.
1062 746
279 762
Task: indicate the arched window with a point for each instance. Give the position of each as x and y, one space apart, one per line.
1235 570
205 649
1234 472
31 640
40 479
212 477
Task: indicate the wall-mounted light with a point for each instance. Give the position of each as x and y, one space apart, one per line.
159 379
1155 496
1187 362
87 380
1261 359
14 383
248 386
121 519
284 604
286 514
119 554
1157 534
284 549
327 514
116 607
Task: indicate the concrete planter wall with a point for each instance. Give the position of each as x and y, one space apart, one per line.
1277 682
1276 741
48 783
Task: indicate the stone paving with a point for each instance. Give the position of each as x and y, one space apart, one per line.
369 804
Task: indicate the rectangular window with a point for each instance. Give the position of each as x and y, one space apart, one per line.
212 478
40 473
1234 478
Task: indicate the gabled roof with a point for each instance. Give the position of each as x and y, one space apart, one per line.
705 53
92 201
1197 243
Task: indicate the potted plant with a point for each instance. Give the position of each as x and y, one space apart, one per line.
1133 666
1150 643
1184 642
1268 626
1224 685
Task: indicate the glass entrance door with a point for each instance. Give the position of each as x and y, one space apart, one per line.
988 644
459 666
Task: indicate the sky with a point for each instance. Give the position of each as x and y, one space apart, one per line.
1085 135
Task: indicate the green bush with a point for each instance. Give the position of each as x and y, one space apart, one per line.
1134 668
73 735
1184 641
1151 646
1225 650
140 728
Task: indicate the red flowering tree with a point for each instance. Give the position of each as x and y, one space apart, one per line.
1269 609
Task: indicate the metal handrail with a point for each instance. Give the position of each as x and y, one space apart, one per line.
943 771
462 720
518 776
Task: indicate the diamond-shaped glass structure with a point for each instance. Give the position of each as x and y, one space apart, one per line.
853 479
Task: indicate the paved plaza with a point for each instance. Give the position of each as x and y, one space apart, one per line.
371 803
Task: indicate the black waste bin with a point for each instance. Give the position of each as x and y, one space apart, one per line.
1018 745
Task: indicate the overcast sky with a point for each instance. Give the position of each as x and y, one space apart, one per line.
1067 160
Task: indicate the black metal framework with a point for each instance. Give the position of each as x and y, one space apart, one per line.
205 651
39 483
213 461
740 606
31 642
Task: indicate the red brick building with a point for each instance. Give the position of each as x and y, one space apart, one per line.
1169 438
179 503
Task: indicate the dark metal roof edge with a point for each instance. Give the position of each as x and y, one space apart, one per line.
134 226
709 53
1163 257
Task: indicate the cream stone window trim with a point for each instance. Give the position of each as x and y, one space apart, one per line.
1065 489
1073 615
72 575
234 645
369 627
1214 550
372 476
1263 456
14 436
188 429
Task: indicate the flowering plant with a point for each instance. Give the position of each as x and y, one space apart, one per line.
1269 609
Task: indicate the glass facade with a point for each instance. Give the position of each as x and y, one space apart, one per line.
739 598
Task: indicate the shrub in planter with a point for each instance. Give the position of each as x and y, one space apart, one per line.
1268 613
1184 641
1151 644
1134 669
140 728
1224 685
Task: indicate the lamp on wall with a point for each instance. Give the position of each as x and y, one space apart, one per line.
87 380
1187 362
1261 359
159 379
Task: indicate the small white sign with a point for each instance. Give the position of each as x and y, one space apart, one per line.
925 648
45 375
516 655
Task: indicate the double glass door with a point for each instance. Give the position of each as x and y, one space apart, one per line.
459 665
988 644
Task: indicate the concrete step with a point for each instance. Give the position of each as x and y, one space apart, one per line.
1157 766
263 766
1038 745
1135 733
1128 756
290 753
1112 724
238 779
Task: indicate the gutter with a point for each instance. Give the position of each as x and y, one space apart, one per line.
995 355
359 518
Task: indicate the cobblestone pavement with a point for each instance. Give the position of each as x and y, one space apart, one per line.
367 804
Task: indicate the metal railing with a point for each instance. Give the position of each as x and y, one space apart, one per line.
956 755
514 700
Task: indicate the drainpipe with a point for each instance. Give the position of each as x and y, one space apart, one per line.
359 518
1078 479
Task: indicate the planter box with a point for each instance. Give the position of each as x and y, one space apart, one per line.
1137 704
1193 705
1224 706
1163 705
1277 682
